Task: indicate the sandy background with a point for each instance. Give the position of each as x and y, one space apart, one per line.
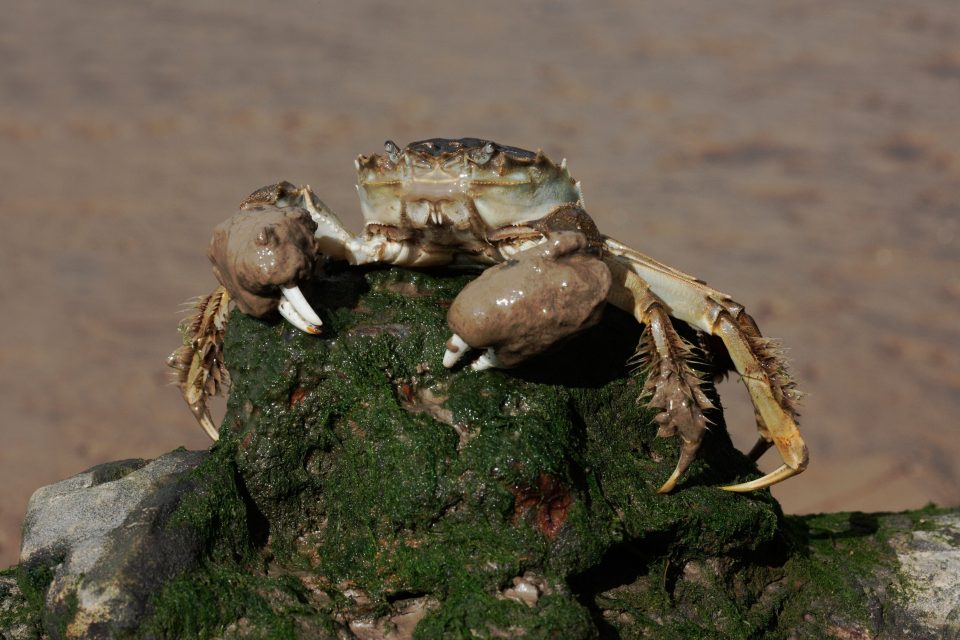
803 156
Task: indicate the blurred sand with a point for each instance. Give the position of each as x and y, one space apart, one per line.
803 156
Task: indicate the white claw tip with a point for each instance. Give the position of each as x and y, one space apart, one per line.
293 317
456 348
486 361
294 296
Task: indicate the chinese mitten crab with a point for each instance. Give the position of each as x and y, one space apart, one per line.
468 201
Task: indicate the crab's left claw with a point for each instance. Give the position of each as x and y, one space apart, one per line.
521 307
456 348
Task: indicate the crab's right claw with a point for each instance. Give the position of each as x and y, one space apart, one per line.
263 250
297 311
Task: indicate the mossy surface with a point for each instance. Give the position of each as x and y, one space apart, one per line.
384 472
21 602
355 474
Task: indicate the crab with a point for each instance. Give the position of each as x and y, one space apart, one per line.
548 273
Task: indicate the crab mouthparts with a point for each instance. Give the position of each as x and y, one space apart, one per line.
435 188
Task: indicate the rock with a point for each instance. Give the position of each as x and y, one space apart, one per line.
928 600
362 490
102 534
379 468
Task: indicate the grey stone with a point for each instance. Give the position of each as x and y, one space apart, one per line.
102 532
930 572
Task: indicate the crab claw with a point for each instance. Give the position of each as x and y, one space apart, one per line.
488 360
457 347
259 252
522 307
297 311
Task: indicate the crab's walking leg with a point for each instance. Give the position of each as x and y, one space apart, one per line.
713 312
671 384
200 372
779 424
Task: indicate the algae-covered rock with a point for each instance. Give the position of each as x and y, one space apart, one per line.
362 490
387 476
928 554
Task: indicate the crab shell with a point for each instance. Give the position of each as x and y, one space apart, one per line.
458 191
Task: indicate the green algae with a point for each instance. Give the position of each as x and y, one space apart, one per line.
19 609
355 474
377 467
357 462
837 561
225 600
477 614
217 511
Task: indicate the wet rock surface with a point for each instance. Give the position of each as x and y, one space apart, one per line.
362 490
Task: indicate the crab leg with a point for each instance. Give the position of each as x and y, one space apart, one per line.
198 363
671 384
716 313
779 424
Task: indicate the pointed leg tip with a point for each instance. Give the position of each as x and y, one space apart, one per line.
210 429
667 487
772 478
202 414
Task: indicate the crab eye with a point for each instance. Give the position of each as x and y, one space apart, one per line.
393 151
483 154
